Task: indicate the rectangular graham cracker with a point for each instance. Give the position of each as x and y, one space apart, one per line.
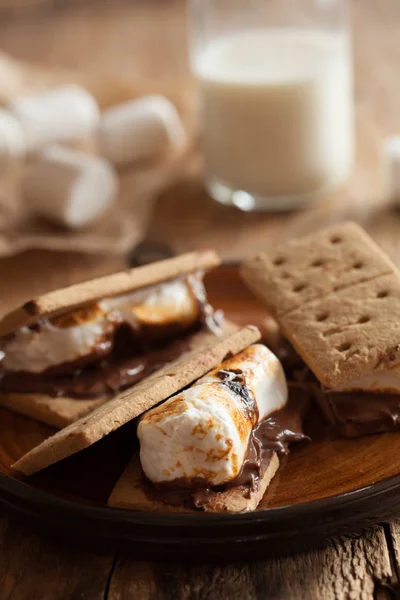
60 412
130 493
304 269
349 333
133 402
63 300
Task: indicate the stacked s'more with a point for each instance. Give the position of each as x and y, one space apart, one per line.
71 350
336 297
211 426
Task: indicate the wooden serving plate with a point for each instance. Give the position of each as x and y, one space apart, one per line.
327 487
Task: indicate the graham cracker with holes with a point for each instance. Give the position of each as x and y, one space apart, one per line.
304 269
75 296
133 402
60 412
349 333
344 321
132 492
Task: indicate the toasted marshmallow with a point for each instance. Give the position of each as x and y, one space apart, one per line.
66 339
379 382
170 302
82 333
202 433
262 373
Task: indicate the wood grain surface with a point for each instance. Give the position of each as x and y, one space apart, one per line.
32 568
347 569
38 568
146 39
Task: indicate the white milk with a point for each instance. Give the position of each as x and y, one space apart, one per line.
277 111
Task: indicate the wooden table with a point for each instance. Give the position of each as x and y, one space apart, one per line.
147 39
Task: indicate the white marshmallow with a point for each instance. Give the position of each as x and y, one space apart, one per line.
203 432
379 382
140 129
64 114
12 139
54 343
69 187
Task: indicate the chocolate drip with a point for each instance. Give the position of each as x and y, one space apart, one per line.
363 413
275 434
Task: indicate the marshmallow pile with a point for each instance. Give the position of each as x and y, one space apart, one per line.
67 186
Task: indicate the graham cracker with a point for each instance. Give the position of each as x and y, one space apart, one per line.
60 412
350 333
130 493
311 267
75 296
133 402
57 412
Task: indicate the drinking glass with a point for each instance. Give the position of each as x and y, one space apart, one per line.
275 87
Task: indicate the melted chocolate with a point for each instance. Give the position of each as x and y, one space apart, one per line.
275 434
363 413
356 414
104 378
120 362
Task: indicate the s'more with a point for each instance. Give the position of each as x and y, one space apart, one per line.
211 428
70 350
336 297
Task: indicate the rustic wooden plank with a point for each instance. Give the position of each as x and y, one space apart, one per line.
354 568
393 535
33 567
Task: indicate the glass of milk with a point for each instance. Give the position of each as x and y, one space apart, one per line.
275 84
